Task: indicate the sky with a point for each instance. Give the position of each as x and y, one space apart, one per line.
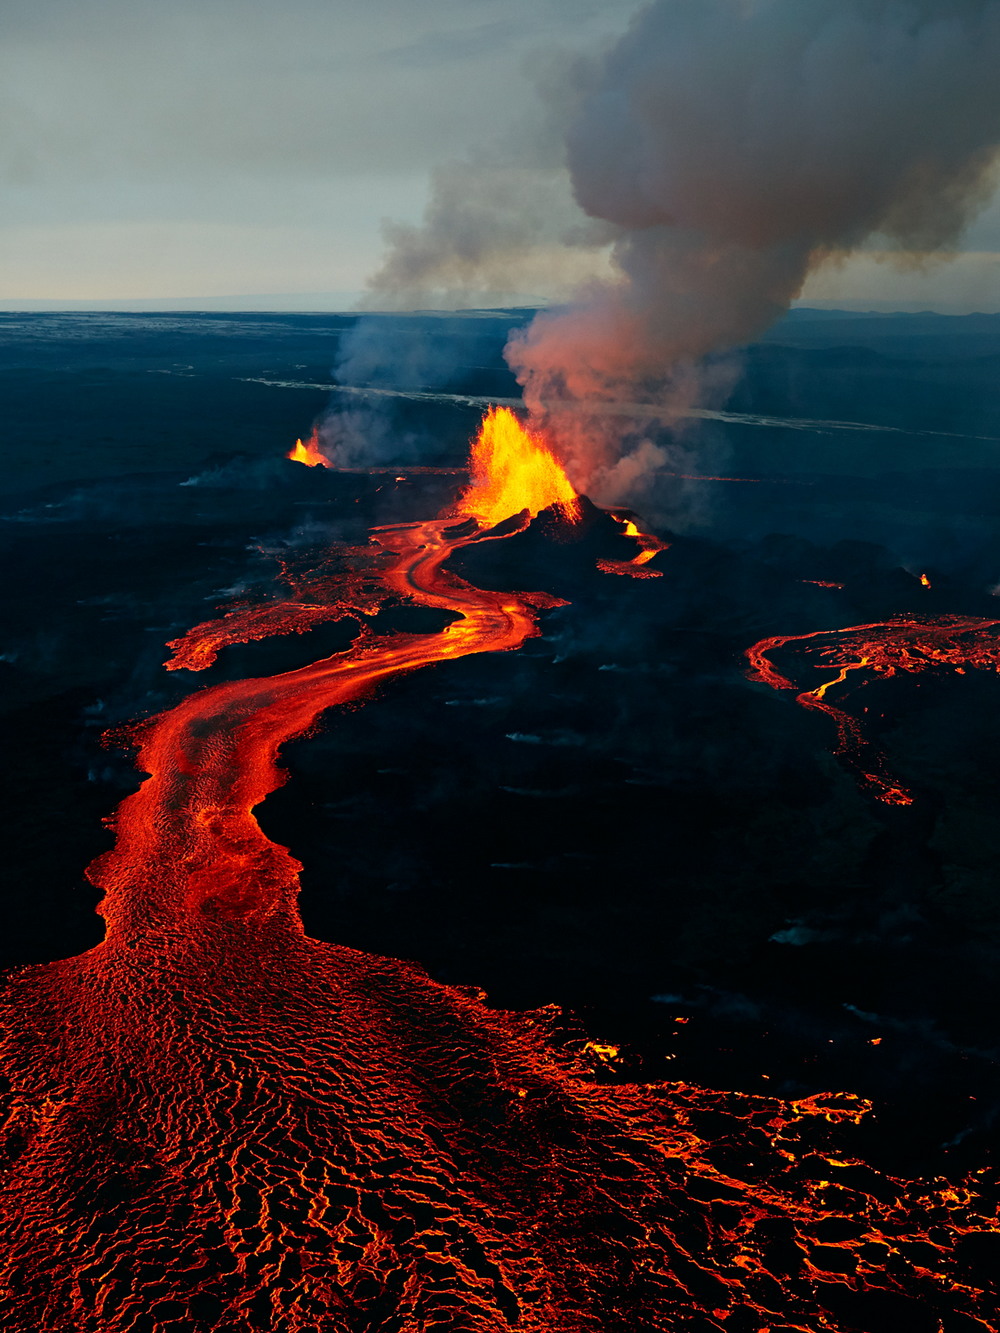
218 151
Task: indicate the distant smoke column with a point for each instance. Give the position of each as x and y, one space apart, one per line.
734 145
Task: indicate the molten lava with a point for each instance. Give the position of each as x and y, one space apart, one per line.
513 470
309 453
218 1125
648 547
863 653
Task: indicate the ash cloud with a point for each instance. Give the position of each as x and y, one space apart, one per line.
724 149
502 226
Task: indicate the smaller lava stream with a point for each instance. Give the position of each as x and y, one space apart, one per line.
863 653
648 547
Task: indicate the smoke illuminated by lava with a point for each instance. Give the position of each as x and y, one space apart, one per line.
698 170
218 1125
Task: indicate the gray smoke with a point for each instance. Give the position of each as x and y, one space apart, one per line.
735 145
494 234
502 226
725 149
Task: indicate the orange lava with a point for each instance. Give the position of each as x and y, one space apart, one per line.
513 470
648 547
194 814
863 653
309 453
218 1125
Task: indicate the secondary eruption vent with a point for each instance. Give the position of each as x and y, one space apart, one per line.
218 1125
309 453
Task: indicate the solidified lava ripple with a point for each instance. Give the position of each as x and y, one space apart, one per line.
218 1125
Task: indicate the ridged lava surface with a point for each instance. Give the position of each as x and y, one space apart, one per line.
218 1125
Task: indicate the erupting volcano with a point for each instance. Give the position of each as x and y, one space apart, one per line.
219 1125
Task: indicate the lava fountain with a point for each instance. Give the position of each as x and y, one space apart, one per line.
309 453
513 471
218 1125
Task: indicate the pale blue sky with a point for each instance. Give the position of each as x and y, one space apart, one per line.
218 148
213 147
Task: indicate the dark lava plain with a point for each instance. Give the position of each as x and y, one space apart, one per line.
613 820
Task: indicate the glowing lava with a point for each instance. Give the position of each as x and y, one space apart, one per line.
513 470
309 453
863 653
648 547
218 1125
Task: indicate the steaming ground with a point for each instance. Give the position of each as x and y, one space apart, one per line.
642 834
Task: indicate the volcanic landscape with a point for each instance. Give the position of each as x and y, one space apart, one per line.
436 901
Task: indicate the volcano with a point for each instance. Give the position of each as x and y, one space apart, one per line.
217 1123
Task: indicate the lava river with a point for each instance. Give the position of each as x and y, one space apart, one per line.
215 1124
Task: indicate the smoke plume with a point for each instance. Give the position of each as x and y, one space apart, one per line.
494 234
727 148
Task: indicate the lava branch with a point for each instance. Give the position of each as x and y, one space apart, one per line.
219 1125
648 544
882 650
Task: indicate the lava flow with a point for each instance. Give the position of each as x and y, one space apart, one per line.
648 547
864 653
218 1125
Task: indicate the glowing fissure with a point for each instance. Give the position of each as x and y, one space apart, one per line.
862 653
218 1125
